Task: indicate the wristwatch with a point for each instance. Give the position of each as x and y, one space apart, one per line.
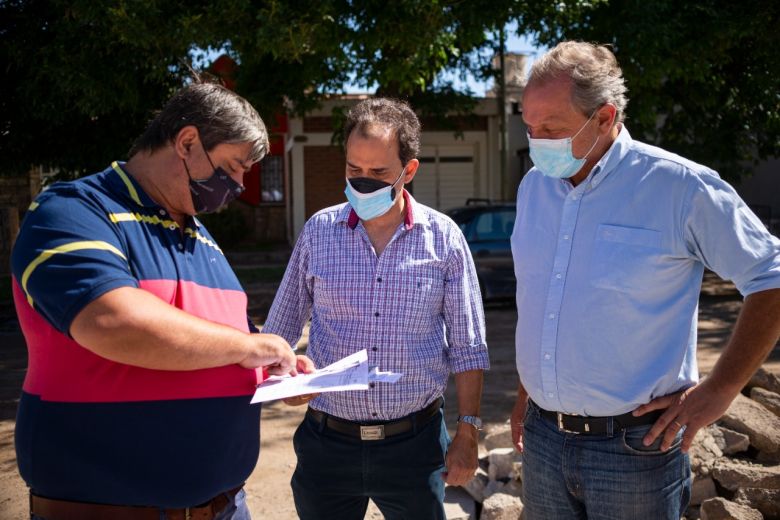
473 420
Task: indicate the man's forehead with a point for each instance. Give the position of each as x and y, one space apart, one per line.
548 102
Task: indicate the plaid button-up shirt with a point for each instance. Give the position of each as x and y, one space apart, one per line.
416 308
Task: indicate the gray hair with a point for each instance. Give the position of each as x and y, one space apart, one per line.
594 71
220 115
390 114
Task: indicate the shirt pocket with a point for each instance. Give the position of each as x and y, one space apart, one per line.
625 258
422 301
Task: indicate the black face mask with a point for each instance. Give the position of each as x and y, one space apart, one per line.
216 192
369 185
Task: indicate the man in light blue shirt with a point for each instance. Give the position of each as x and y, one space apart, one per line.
610 245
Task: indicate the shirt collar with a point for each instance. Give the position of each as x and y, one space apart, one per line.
619 149
412 213
124 183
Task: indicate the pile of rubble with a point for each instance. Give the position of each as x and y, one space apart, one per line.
735 463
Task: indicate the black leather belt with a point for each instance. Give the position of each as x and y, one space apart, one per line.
587 425
367 431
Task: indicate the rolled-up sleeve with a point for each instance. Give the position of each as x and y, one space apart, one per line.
724 234
464 316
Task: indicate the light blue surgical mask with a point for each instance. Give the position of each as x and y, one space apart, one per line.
371 198
554 157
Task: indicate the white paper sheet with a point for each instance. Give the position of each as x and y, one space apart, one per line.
350 373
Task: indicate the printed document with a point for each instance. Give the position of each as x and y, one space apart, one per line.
350 373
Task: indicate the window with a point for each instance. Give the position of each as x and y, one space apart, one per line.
272 178
495 225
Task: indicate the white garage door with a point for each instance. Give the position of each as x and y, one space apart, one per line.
447 176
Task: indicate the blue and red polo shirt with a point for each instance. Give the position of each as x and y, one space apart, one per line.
93 430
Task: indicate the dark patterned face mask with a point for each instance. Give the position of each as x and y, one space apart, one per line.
216 192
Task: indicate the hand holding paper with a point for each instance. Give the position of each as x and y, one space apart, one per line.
350 373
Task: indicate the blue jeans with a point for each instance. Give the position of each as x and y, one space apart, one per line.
235 510
570 476
337 474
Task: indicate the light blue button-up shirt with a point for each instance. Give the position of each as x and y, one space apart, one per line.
609 274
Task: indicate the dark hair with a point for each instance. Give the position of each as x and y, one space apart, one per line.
220 115
391 114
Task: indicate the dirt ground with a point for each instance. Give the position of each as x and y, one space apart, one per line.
268 489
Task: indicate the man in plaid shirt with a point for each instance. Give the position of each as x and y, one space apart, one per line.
387 274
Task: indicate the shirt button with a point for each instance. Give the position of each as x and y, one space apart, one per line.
373 413
558 276
551 316
171 227
566 237
547 356
550 394
379 279
376 314
372 385
373 349
162 212
180 246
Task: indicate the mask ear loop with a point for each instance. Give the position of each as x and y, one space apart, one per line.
186 169
392 192
583 128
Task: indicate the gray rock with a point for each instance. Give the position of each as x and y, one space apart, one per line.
501 462
702 489
770 400
733 475
501 506
458 505
765 500
498 436
767 458
493 487
721 509
729 441
517 470
514 488
754 420
476 486
704 451
763 378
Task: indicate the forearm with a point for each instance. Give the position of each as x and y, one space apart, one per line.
134 327
755 334
522 395
468 386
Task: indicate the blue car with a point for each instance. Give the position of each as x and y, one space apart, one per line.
488 227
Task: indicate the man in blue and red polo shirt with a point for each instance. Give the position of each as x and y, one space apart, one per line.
141 356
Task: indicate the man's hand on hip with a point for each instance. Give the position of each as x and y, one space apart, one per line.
272 352
693 408
461 460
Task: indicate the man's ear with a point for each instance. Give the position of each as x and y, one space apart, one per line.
411 170
606 116
185 140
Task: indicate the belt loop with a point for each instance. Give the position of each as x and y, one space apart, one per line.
610 426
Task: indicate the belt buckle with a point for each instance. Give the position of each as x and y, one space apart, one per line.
372 433
562 429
